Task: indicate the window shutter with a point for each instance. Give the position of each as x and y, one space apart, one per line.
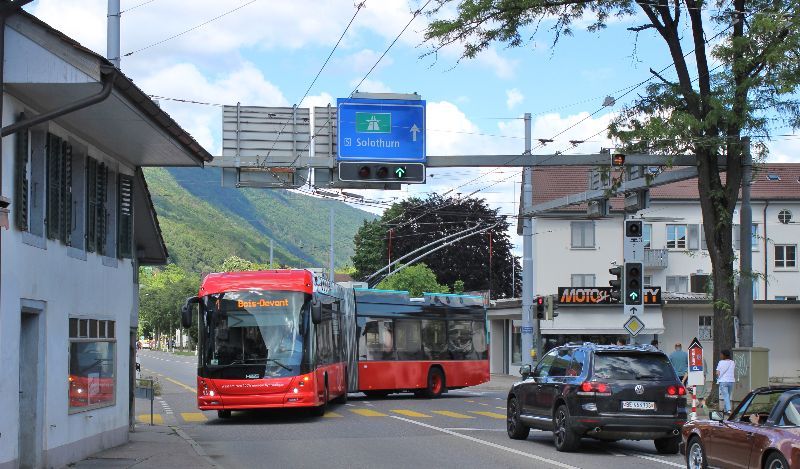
125 214
703 244
54 172
65 219
102 217
736 238
21 178
693 235
91 204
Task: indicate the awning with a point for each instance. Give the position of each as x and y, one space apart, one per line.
600 320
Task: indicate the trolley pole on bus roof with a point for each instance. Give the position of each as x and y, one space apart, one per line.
529 328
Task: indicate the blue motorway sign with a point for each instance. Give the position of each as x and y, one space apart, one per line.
381 130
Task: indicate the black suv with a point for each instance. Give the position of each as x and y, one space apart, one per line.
605 392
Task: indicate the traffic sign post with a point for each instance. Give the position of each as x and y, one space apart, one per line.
696 366
383 130
634 326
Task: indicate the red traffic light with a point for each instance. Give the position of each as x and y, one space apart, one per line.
363 172
382 172
540 301
617 159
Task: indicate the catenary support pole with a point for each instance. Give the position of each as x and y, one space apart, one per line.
112 39
331 260
746 257
270 253
528 324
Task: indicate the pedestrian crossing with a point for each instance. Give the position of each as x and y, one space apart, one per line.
341 412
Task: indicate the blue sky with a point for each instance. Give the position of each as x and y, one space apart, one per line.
268 52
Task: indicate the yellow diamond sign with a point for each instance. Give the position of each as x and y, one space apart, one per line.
634 326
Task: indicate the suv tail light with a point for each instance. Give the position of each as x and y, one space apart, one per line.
593 388
676 391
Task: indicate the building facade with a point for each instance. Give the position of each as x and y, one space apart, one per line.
573 250
76 133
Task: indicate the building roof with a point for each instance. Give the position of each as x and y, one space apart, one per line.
772 181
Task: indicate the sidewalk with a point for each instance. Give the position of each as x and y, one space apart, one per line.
152 447
497 382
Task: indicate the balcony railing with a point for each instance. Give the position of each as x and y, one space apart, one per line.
656 258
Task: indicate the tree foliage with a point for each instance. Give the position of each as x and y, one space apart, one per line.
704 111
415 279
415 223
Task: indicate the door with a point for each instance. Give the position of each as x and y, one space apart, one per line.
30 392
556 379
534 402
731 443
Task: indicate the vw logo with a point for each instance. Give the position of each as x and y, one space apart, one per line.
639 389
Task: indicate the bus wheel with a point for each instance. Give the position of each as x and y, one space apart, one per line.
224 414
319 411
435 383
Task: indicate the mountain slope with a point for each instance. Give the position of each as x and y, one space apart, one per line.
204 223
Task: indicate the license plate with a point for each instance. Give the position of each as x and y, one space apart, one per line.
638 405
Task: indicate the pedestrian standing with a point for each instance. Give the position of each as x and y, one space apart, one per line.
654 343
680 361
726 376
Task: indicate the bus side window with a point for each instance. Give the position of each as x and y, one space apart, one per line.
379 335
408 339
434 340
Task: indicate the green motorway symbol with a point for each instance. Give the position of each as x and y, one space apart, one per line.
633 295
400 171
374 122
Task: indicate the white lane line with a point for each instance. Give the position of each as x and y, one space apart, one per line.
477 429
614 453
651 458
488 443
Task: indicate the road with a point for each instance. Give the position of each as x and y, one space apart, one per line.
463 429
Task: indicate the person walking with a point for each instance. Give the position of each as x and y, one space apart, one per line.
726 376
680 362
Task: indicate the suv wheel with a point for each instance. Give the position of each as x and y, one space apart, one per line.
516 429
668 445
565 438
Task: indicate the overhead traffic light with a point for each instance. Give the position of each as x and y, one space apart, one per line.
633 228
550 307
616 284
539 307
634 277
617 159
382 172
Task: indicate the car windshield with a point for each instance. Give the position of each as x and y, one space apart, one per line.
632 366
261 330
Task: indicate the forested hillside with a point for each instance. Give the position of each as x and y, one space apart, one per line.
204 223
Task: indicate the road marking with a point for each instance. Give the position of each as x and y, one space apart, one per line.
410 413
487 443
651 458
481 403
493 415
188 388
194 417
502 408
614 453
455 415
478 429
469 400
145 418
332 415
368 413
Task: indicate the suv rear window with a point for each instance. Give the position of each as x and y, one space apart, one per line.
632 366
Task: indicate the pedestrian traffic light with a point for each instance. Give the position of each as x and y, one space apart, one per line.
389 172
633 283
616 284
539 307
550 307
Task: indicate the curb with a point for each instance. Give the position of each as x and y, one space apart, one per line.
196 446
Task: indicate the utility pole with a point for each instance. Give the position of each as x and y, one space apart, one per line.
746 256
331 260
112 32
530 329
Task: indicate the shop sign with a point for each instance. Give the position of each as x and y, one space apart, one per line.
601 296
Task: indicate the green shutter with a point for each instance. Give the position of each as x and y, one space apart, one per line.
125 214
54 172
21 177
102 219
91 204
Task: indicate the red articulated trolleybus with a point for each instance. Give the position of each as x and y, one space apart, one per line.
293 339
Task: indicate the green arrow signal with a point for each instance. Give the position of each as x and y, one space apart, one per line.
633 295
400 172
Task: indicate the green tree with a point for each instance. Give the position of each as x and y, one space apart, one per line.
162 292
482 261
705 111
415 279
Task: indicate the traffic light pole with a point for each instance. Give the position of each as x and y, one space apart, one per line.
530 328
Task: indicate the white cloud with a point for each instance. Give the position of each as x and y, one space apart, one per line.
784 150
371 86
513 97
501 66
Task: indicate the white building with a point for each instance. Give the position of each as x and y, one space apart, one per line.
572 250
81 222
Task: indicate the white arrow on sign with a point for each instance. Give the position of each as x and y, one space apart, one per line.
414 130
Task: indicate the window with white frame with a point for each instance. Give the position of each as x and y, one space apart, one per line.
647 235
785 256
92 363
677 284
648 280
705 329
582 234
676 236
582 280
